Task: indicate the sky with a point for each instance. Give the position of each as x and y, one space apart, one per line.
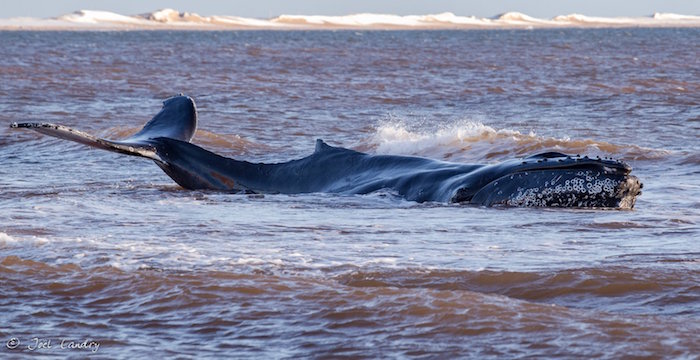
272 8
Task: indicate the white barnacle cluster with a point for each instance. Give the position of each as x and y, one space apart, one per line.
585 189
531 197
606 186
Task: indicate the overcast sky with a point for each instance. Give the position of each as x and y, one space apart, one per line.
271 8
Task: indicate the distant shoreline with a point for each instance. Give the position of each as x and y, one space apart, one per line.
169 19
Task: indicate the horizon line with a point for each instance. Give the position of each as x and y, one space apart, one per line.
173 19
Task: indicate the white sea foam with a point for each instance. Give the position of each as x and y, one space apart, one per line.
471 141
6 239
170 18
257 261
463 136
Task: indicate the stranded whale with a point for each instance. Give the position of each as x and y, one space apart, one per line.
547 179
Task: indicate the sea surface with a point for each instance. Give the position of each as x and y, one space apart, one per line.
105 252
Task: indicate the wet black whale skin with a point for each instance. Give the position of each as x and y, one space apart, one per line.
166 140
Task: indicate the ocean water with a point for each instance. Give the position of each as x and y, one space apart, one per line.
103 255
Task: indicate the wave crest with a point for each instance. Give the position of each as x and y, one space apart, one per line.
474 141
584 287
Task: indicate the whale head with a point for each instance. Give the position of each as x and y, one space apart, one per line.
555 180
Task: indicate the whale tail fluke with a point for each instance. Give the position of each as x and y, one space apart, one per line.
176 120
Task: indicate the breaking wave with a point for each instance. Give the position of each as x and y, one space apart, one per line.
467 141
474 141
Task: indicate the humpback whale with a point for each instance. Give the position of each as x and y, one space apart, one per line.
548 179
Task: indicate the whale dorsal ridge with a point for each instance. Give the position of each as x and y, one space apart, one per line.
322 146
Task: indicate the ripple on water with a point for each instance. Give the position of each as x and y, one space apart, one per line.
263 313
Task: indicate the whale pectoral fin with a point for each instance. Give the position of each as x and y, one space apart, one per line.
61 132
166 140
176 120
143 149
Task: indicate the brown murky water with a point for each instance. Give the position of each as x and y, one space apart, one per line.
102 249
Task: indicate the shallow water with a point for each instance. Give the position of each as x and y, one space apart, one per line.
106 248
